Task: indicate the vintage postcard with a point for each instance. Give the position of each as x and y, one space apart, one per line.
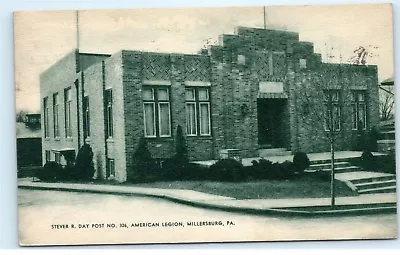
233 124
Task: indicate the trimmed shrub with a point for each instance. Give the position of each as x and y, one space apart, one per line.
300 162
84 168
371 141
49 172
175 168
181 148
324 176
387 163
227 170
367 161
143 163
265 169
260 169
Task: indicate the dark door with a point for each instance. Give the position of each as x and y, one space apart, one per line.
271 122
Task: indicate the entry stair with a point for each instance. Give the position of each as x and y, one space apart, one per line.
386 142
361 181
268 152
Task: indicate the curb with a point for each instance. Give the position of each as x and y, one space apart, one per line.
305 211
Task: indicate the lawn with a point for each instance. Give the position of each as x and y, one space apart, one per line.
305 186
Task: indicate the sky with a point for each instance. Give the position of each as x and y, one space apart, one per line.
43 37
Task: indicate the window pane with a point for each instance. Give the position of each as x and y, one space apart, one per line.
162 94
149 124
326 95
148 94
56 129
109 96
86 123
190 95
191 119
46 117
164 119
110 167
55 98
354 116
353 96
67 95
335 96
336 117
327 118
361 96
362 116
203 94
204 119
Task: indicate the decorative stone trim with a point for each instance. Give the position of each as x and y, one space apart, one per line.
156 82
198 83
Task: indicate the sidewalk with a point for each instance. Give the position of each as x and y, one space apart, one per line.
312 156
380 202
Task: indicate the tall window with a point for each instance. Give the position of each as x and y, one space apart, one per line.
332 110
67 107
157 112
46 116
359 110
86 117
55 115
198 111
109 113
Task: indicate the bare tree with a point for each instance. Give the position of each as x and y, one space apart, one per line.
386 103
21 116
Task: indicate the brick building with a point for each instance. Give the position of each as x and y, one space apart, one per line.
257 88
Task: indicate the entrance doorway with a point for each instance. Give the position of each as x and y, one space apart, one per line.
272 122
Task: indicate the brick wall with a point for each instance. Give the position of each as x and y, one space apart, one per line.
174 69
312 136
233 70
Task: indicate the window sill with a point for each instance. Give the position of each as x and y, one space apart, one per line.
159 139
205 137
364 129
56 138
69 139
110 140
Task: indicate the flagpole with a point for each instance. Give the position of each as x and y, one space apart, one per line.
265 22
77 30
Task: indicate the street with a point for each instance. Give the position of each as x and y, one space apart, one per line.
53 217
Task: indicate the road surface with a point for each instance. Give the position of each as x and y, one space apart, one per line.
53 218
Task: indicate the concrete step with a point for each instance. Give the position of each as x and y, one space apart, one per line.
387 128
328 161
274 152
388 189
386 145
314 167
374 179
375 184
388 135
339 170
